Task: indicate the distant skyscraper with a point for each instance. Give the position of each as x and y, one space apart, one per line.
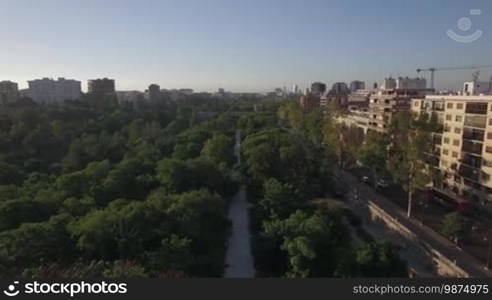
47 90
101 86
339 88
318 88
9 92
295 89
357 85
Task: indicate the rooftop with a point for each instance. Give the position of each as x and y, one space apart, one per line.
460 97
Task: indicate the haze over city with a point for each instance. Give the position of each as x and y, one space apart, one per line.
251 46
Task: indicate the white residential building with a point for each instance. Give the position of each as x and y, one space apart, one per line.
47 90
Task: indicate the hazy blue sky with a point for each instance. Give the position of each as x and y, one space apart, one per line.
241 45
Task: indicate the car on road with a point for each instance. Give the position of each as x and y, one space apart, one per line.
365 179
382 183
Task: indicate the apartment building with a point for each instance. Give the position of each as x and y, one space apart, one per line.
9 92
309 102
338 95
154 93
463 146
47 90
101 86
393 97
129 96
356 85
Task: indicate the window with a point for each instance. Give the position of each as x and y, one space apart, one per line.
476 108
449 105
448 117
489 135
439 106
457 130
459 106
459 118
416 103
488 149
446 140
454 154
456 142
445 151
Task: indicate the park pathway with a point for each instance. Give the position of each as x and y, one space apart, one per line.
239 260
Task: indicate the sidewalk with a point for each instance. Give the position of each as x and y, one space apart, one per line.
464 260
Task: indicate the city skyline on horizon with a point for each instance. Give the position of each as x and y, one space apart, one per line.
240 47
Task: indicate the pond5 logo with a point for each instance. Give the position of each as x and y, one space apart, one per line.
12 290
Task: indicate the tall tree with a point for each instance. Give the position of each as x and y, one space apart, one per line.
410 143
454 227
374 153
279 200
332 132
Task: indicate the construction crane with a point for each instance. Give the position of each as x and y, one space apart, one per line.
432 70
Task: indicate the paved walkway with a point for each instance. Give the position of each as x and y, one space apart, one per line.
464 260
239 260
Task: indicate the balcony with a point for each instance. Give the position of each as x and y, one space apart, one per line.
469 173
472 160
476 121
473 134
471 147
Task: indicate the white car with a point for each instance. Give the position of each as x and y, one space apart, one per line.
382 183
